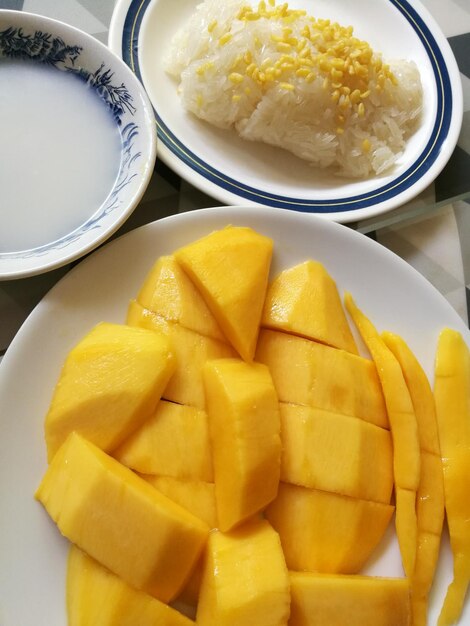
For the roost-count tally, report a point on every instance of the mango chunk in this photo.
(191, 351)
(120, 520)
(313, 374)
(404, 429)
(198, 497)
(337, 453)
(174, 441)
(245, 579)
(96, 597)
(110, 383)
(168, 292)
(304, 300)
(326, 532)
(230, 268)
(244, 423)
(334, 600)
(452, 396)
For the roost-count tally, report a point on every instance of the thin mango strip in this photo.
(452, 397)
(430, 496)
(404, 429)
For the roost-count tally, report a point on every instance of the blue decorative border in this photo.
(49, 50)
(406, 180)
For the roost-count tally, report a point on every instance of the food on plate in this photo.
(326, 532)
(290, 458)
(120, 520)
(244, 424)
(344, 382)
(305, 84)
(191, 350)
(197, 496)
(174, 441)
(452, 396)
(97, 597)
(328, 600)
(169, 292)
(404, 429)
(430, 495)
(230, 268)
(110, 383)
(304, 300)
(245, 579)
(352, 457)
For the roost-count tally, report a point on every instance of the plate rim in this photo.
(191, 167)
(40, 259)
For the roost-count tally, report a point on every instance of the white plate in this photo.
(78, 143)
(32, 553)
(234, 171)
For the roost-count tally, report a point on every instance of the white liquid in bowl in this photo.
(60, 151)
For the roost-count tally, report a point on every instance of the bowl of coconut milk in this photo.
(77, 148)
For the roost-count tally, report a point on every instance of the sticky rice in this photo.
(307, 85)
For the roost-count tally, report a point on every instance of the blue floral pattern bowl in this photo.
(45, 43)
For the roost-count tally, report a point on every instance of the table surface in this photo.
(432, 232)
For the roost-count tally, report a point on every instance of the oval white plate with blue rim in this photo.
(78, 143)
(234, 171)
(33, 554)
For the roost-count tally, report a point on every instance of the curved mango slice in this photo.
(452, 395)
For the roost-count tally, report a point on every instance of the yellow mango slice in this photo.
(230, 268)
(198, 497)
(168, 292)
(174, 441)
(244, 424)
(326, 532)
(313, 374)
(191, 351)
(120, 520)
(404, 429)
(420, 392)
(337, 453)
(245, 579)
(329, 600)
(110, 383)
(430, 496)
(304, 300)
(96, 597)
(452, 396)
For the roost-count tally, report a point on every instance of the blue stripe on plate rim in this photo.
(397, 186)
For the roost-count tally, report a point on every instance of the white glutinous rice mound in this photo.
(307, 85)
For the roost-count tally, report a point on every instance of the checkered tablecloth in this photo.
(438, 245)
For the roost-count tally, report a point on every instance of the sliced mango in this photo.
(452, 396)
(304, 300)
(168, 292)
(430, 496)
(120, 520)
(329, 600)
(191, 351)
(326, 532)
(310, 373)
(244, 424)
(174, 441)
(337, 453)
(230, 268)
(96, 597)
(245, 579)
(404, 429)
(198, 497)
(110, 383)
